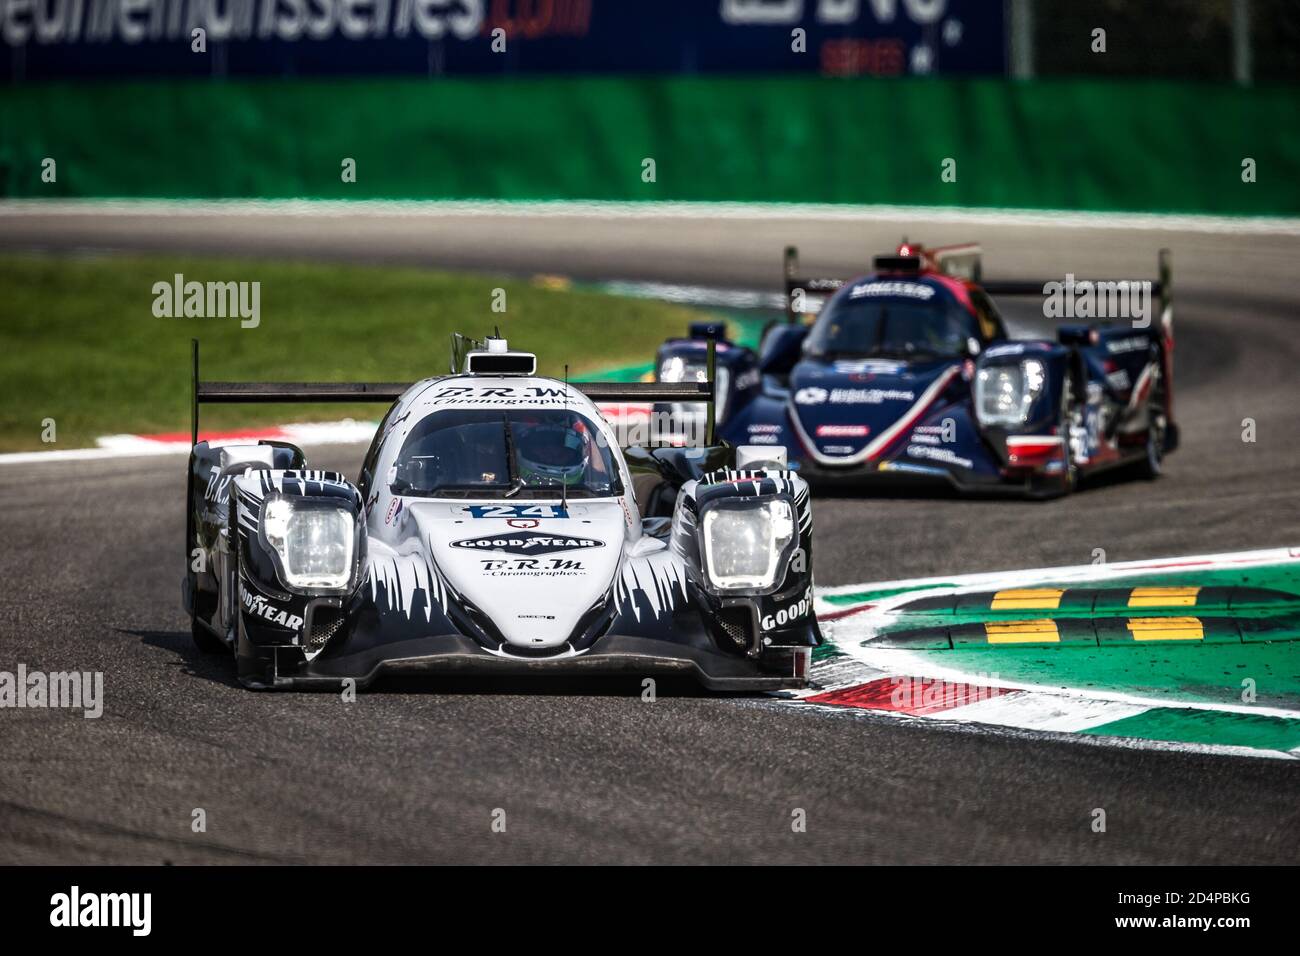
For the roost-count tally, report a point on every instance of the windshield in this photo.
(482, 453)
(892, 327)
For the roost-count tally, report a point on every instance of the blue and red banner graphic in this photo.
(70, 39)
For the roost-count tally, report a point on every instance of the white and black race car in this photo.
(497, 527)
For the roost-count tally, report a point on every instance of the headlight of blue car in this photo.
(677, 369)
(314, 541)
(1004, 394)
(746, 543)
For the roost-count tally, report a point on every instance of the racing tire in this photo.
(205, 640)
(1152, 464)
(1070, 476)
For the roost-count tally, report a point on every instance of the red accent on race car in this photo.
(905, 424)
(957, 287)
(1032, 450)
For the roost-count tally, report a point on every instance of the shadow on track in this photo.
(210, 667)
(220, 669)
(1120, 475)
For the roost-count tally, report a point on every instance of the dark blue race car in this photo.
(908, 374)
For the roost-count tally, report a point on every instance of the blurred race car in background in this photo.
(497, 527)
(908, 374)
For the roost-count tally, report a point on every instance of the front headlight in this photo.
(677, 369)
(314, 541)
(1004, 394)
(745, 542)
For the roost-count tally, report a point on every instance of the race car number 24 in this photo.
(518, 511)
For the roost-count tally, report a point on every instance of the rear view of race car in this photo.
(908, 374)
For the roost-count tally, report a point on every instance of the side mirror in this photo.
(409, 474)
(782, 349)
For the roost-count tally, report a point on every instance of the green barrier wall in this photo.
(1056, 144)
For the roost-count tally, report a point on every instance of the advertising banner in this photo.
(62, 39)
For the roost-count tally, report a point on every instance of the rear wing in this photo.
(1162, 288)
(263, 393)
(805, 295)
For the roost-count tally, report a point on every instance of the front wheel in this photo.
(1153, 463)
(1069, 424)
(205, 640)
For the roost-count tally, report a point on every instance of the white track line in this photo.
(1065, 574)
(346, 432)
(598, 209)
(1043, 712)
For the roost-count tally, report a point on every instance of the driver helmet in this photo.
(553, 454)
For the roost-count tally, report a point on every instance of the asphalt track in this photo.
(414, 772)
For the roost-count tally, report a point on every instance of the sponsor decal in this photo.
(789, 614)
(938, 454)
(842, 431)
(523, 522)
(870, 396)
(260, 606)
(909, 468)
(865, 369)
(915, 290)
(533, 568)
(1134, 343)
(536, 617)
(394, 510)
(812, 395)
(764, 429)
(527, 543)
(838, 449)
(518, 511)
(503, 395)
(1011, 348)
(218, 488)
